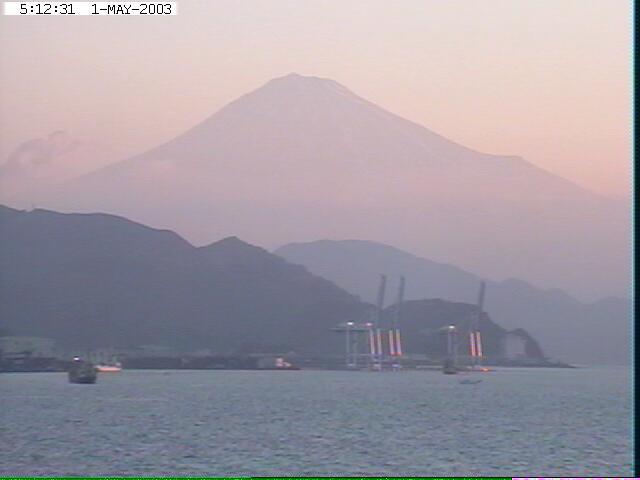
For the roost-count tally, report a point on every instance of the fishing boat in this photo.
(82, 371)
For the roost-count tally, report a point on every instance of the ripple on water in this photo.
(553, 422)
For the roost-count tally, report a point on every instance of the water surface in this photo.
(516, 422)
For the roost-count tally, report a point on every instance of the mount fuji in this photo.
(303, 158)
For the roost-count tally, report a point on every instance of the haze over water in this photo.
(528, 422)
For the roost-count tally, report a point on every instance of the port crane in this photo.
(475, 340)
(379, 337)
(395, 344)
(375, 336)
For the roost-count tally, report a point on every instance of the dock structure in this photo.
(375, 335)
(355, 335)
(376, 346)
(377, 353)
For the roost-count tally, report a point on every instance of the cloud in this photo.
(38, 152)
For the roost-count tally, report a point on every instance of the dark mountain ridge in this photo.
(88, 279)
(96, 280)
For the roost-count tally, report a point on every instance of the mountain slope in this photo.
(572, 331)
(95, 280)
(102, 280)
(303, 157)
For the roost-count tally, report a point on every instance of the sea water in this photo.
(516, 422)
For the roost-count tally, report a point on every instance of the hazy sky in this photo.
(548, 79)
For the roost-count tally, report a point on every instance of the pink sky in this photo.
(547, 80)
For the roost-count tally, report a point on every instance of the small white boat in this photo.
(112, 368)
